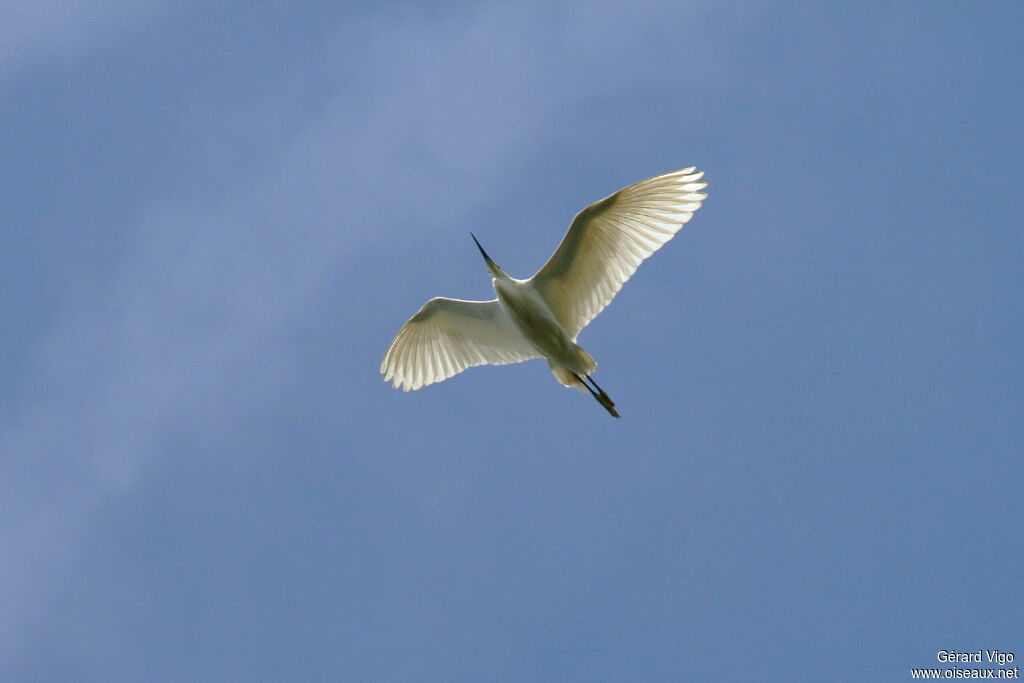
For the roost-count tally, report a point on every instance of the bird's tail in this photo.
(567, 377)
(571, 379)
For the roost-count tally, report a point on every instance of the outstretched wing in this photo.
(449, 335)
(608, 240)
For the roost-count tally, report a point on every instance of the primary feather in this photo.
(609, 239)
(449, 335)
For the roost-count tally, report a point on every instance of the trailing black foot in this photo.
(600, 396)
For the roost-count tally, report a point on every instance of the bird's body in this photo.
(535, 321)
(542, 316)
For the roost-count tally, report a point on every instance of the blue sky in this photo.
(215, 220)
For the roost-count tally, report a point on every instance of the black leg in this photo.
(601, 397)
(600, 390)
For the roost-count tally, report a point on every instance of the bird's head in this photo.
(493, 268)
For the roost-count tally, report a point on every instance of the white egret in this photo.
(541, 317)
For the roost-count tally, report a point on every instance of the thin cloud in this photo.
(37, 33)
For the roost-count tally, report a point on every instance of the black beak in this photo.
(486, 257)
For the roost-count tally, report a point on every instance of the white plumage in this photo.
(542, 316)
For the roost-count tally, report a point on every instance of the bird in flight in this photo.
(541, 317)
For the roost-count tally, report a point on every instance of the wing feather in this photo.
(609, 239)
(447, 336)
